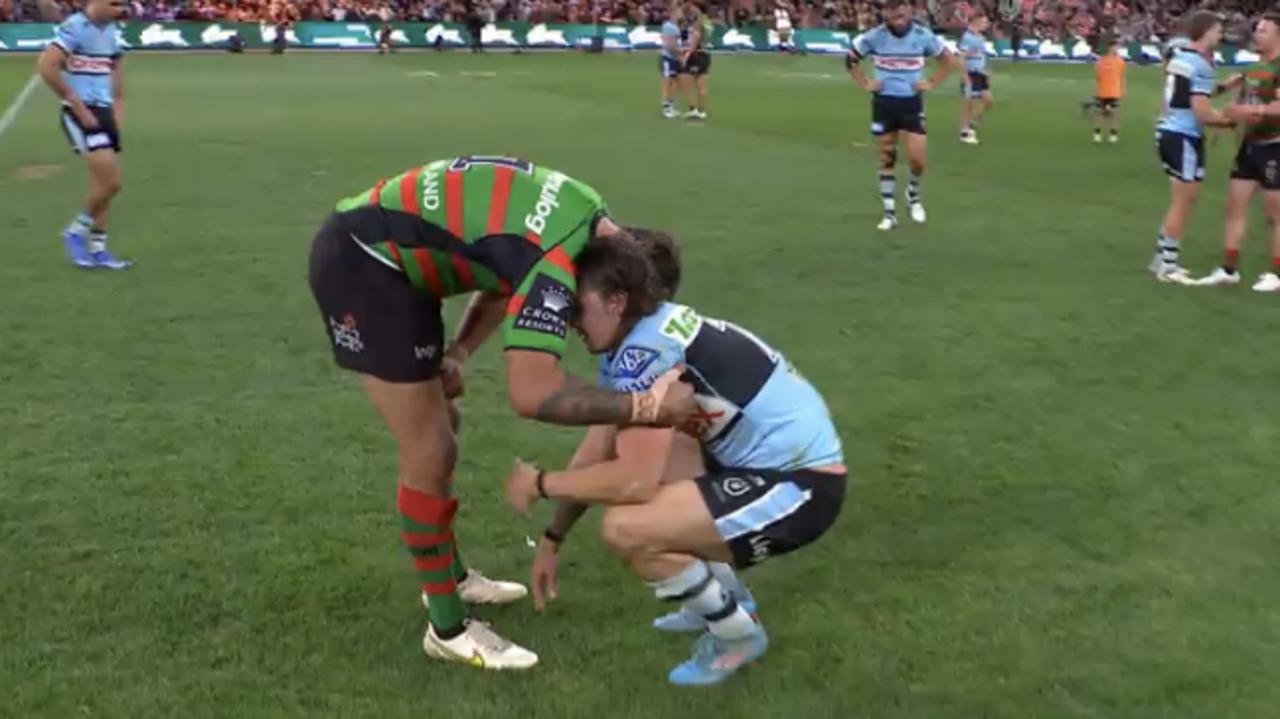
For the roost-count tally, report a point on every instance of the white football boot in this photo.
(479, 589)
(917, 213)
(1268, 282)
(888, 222)
(478, 646)
(1218, 278)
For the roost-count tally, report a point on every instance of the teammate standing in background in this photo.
(782, 25)
(1257, 162)
(669, 63)
(1108, 91)
(82, 67)
(1189, 82)
(898, 48)
(696, 63)
(976, 85)
(507, 232)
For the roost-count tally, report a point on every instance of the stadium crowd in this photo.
(1134, 19)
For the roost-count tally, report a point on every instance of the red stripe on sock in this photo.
(1231, 258)
(424, 508)
(434, 589)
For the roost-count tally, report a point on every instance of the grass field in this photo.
(1065, 492)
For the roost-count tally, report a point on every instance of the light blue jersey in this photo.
(755, 411)
(1188, 74)
(671, 35)
(974, 48)
(899, 61)
(1175, 44)
(92, 53)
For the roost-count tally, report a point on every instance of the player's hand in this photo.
(521, 486)
(676, 404)
(923, 85)
(86, 119)
(542, 577)
(451, 371)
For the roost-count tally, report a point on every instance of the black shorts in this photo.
(978, 84)
(1258, 162)
(378, 323)
(106, 136)
(764, 513)
(1181, 155)
(897, 114)
(699, 64)
(670, 66)
(1107, 104)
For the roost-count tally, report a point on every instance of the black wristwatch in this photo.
(551, 536)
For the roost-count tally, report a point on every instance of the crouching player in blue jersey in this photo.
(82, 66)
(898, 48)
(1189, 82)
(975, 85)
(774, 478)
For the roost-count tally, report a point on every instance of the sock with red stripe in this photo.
(1230, 259)
(427, 532)
(459, 569)
(1275, 264)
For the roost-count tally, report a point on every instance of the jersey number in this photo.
(465, 163)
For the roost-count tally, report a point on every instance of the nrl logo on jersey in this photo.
(632, 361)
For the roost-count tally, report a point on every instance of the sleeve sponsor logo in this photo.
(545, 308)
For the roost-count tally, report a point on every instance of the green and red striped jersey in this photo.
(489, 223)
(1260, 84)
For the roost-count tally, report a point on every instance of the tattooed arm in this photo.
(539, 389)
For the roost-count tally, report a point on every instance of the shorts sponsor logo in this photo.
(345, 334)
(877, 127)
(633, 361)
(759, 548)
(426, 353)
(98, 140)
(546, 308)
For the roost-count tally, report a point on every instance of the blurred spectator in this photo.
(1142, 20)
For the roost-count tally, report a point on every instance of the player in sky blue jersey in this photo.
(770, 478)
(1189, 83)
(898, 49)
(975, 83)
(82, 66)
(669, 64)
